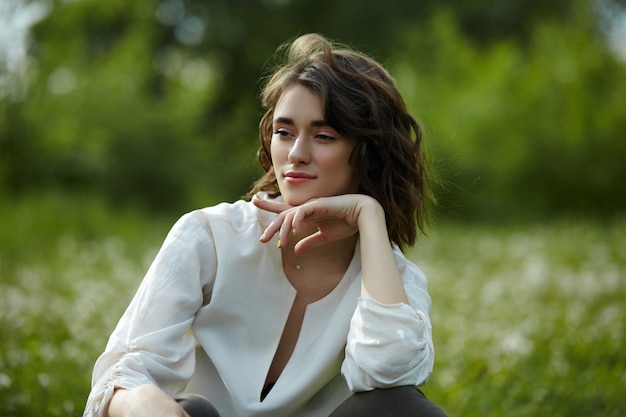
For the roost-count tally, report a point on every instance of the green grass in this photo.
(67, 270)
(527, 320)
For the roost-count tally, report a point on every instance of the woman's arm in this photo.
(151, 344)
(390, 339)
(144, 401)
(380, 276)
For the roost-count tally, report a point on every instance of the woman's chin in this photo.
(294, 201)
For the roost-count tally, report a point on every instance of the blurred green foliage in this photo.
(155, 104)
(522, 131)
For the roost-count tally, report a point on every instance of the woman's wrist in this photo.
(370, 211)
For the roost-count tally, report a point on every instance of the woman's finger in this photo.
(271, 230)
(273, 206)
(286, 226)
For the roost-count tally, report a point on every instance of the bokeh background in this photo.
(118, 116)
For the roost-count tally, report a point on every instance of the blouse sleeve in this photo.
(153, 343)
(391, 345)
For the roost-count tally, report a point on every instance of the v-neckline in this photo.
(268, 385)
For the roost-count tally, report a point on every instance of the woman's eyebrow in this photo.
(284, 121)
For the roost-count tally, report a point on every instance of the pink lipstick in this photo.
(293, 177)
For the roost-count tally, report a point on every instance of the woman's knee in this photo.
(404, 401)
(197, 406)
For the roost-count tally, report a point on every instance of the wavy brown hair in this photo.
(360, 101)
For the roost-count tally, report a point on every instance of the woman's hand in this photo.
(323, 220)
(144, 401)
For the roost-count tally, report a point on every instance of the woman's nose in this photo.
(299, 152)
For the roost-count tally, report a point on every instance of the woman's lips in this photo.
(298, 177)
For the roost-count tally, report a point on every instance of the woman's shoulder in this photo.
(238, 215)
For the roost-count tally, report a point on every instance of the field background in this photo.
(118, 116)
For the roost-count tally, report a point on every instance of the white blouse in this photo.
(210, 312)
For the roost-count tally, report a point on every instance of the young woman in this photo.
(297, 301)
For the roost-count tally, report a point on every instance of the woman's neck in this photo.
(316, 273)
(331, 258)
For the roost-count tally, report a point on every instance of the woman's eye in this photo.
(281, 132)
(324, 137)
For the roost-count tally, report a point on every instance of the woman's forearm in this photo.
(116, 405)
(144, 401)
(381, 278)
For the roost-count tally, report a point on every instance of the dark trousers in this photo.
(404, 401)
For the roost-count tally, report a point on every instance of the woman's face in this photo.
(310, 158)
